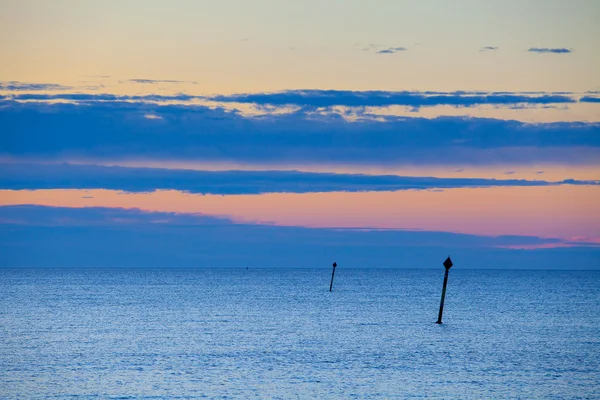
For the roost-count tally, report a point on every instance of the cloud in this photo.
(100, 216)
(489, 48)
(132, 238)
(65, 176)
(549, 50)
(86, 97)
(589, 99)
(153, 81)
(329, 98)
(23, 86)
(392, 50)
(116, 130)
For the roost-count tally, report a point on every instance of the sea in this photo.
(168, 333)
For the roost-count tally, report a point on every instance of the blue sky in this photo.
(436, 124)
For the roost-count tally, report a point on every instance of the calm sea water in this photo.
(265, 333)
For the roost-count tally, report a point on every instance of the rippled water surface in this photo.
(266, 333)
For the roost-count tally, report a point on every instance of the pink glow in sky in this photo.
(559, 211)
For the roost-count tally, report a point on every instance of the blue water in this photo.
(266, 333)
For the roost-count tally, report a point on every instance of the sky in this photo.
(282, 133)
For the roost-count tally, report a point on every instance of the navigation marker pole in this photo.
(447, 264)
(332, 273)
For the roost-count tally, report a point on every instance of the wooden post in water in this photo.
(332, 273)
(447, 264)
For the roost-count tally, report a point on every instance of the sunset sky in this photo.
(295, 133)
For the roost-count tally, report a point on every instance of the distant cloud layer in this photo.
(549, 50)
(132, 238)
(115, 130)
(63, 176)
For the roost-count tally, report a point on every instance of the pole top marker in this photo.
(448, 263)
(334, 264)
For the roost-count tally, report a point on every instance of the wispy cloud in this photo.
(153, 81)
(557, 50)
(25, 86)
(104, 97)
(392, 50)
(370, 47)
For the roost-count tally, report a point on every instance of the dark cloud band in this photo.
(64, 176)
(329, 98)
(117, 130)
(104, 237)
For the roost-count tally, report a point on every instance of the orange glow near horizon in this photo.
(558, 211)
